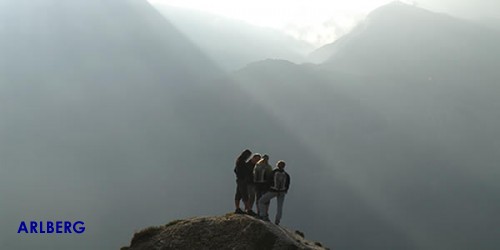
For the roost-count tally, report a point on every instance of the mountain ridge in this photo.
(402, 28)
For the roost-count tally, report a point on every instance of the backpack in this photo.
(280, 181)
(259, 173)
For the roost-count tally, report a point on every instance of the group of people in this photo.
(257, 183)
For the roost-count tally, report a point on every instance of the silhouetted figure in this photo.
(280, 183)
(242, 173)
(250, 184)
(261, 176)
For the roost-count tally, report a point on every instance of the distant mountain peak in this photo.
(405, 34)
(398, 5)
(399, 10)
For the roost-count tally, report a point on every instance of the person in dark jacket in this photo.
(261, 176)
(241, 171)
(279, 185)
(250, 182)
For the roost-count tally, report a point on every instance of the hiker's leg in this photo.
(258, 195)
(262, 203)
(237, 197)
(279, 213)
(262, 192)
(243, 193)
(244, 197)
(265, 188)
(251, 195)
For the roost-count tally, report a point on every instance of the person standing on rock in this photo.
(251, 185)
(242, 173)
(280, 183)
(261, 175)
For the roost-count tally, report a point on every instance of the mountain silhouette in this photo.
(404, 110)
(401, 38)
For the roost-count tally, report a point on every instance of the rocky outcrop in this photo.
(230, 231)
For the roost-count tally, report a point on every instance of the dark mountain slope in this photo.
(402, 39)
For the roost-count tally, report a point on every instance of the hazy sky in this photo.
(319, 21)
(315, 21)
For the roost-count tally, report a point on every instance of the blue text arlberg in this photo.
(51, 227)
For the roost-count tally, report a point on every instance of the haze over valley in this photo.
(123, 116)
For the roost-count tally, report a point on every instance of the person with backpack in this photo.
(250, 183)
(261, 174)
(279, 185)
(242, 173)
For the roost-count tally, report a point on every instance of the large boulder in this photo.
(230, 231)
